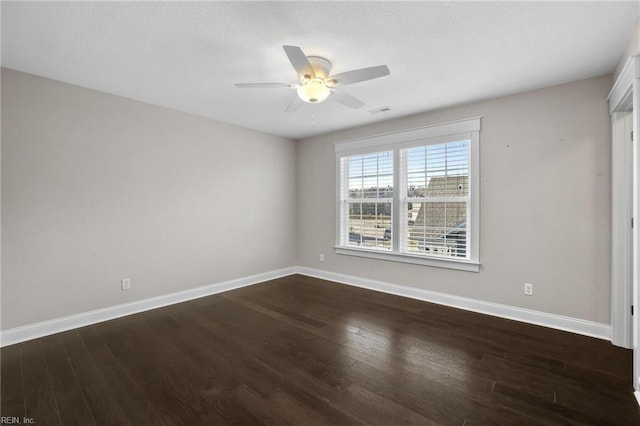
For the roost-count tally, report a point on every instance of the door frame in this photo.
(621, 231)
(625, 186)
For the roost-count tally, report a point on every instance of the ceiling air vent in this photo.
(381, 109)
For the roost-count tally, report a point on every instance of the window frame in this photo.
(465, 129)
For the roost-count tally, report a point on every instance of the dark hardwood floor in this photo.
(303, 351)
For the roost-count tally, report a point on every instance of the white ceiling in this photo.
(187, 56)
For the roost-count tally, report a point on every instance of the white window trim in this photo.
(438, 133)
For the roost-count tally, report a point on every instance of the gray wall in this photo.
(96, 188)
(545, 201)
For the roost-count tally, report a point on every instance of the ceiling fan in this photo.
(316, 84)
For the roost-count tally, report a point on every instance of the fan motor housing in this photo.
(320, 65)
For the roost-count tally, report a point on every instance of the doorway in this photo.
(624, 107)
(621, 228)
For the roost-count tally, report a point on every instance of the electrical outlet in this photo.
(322, 258)
(125, 284)
(528, 289)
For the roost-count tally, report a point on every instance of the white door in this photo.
(624, 107)
(621, 231)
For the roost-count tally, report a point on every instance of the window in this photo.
(411, 196)
(435, 199)
(368, 200)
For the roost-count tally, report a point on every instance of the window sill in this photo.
(461, 265)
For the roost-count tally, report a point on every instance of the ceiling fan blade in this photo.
(266, 85)
(357, 76)
(300, 62)
(346, 99)
(294, 105)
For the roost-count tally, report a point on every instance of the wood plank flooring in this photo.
(303, 351)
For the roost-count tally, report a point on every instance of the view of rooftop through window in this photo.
(436, 202)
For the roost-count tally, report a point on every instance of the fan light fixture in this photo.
(313, 90)
(316, 81)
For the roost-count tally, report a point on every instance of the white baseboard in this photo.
(45, 328)
(574, 325)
